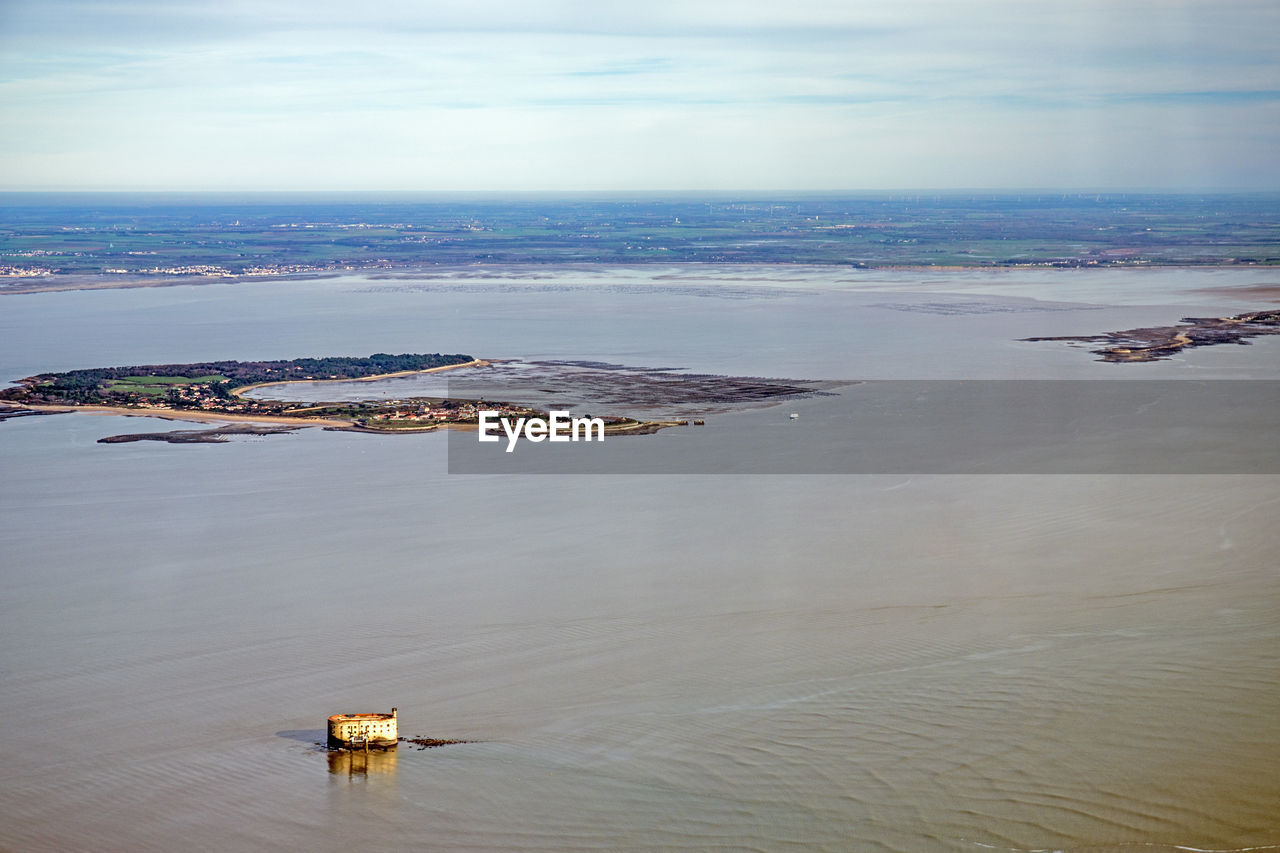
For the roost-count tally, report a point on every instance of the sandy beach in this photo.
(184, 415)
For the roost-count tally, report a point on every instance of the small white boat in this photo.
(795, 415)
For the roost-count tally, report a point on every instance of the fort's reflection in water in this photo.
(353, 763)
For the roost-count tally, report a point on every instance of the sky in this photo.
(664, 95)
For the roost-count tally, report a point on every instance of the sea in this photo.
(1022, 621)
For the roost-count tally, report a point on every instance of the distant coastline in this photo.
(57, 283)
(14, 285)
(129, 241)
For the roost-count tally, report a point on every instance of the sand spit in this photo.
(478, 362)
(1160, 342)
(183, 415)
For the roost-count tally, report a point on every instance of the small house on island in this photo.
(353, 731)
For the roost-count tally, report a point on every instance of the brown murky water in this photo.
(871, 662)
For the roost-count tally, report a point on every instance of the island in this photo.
(214, 391)
(1160, 342)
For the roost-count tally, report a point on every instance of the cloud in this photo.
(804, 83)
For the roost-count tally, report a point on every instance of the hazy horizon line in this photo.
(735, 194)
